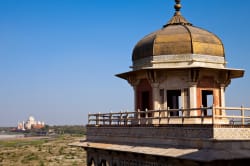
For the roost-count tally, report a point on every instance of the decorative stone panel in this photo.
(232, 133)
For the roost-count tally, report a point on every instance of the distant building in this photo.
(31, 123)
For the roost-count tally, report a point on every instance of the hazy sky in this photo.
(58, 58)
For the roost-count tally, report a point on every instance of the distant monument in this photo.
(179, 79)
(31, 123)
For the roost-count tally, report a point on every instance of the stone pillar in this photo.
(155, 95)
(222, 97)
(217, 100)
(185, 100)
(135, 99)
(155, 99)
(133, 81)
(193, 98)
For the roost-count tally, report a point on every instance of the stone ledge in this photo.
(204, 155)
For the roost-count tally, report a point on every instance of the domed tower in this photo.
(179, 66)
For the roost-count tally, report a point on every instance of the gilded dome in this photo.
(178, 37)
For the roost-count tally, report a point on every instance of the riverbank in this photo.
(38, 151)
(11, 136)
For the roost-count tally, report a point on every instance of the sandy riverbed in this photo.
(4, 137)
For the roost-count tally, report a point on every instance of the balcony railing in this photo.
(202, 115)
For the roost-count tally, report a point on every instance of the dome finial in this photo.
(177, 19)
(177, 6)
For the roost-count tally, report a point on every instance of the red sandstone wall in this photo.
(208, 83)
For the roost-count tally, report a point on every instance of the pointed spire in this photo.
(177, 19)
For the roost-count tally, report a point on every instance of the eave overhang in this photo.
(232, 73)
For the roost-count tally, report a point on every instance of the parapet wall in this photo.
(153, 136)
(194, 136)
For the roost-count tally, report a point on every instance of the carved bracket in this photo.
(132, 80)
(194, 75)
(155, 76)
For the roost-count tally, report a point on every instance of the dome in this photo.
(179, 37)
(31, 119)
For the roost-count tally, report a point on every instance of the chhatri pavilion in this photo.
(180, 66)
(179, 76)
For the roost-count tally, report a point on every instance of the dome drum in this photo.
(179, 61)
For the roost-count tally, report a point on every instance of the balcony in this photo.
(201, 128)
(233, 116)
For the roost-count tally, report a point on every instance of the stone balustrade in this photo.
(203, 115)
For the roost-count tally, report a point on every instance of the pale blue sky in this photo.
(58, 58)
